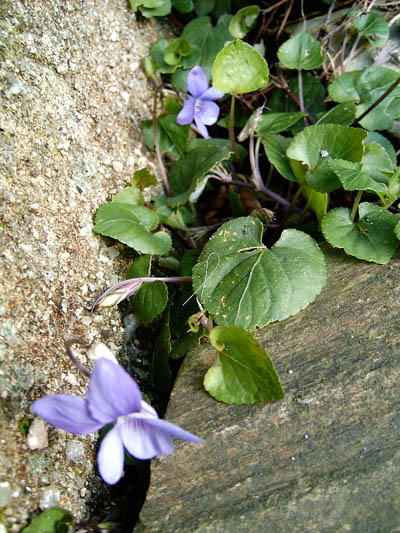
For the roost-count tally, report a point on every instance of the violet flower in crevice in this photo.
(113, 397)
(200, 107)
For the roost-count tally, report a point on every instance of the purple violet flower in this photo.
(200, 107)
(113, 396)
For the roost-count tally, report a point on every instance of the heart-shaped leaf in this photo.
(372, 173)
(246, 375)
(301, 52)
(372, 26)
(364, 87)
(132, 225)
(239, 68)
(240, 281)
(344, 114)
(317, 145)
(129, 195)
(371, 238)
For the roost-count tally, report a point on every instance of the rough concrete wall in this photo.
(72, 97)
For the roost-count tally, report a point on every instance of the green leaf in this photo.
(143, 178)
(155, 8)
(160, 370)
(344, 114)
(132, 225)
(200, 32)
(397, 230)
(217, 143)
(243, 21)
(246, 375)
(371, 238)
(189, 174)
(318, 201)
(374, 136)
(52, 521)
(188, 261)
(157, 51)
(177, 134)
(129, 195)
(239, 68)
(183, 6)
(372, 26)
(204, 7)
(240, 281)
(275, 147)
(316, 146)
(365, 87)
(185, 342)
(277, 122)
(301, 52)
(140, 268)
(371, 174)
(150, 301)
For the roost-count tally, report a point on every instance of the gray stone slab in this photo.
(327, 457)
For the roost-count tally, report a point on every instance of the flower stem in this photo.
(157, 145)
(232, 129)
(355, 205)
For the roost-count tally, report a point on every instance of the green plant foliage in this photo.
(160, 372)
(133, 225)
(371, 238)
(184, 6)
(371, 174)
(129, 195)
(143, 178)
(55, 520)
(316, 146)
(246, 375)
(239, 68)
(242, 282)
(151, 8)
(244, 21)
(364, 87)
(208, 38)
(344, 114)
(277, 122)
(275, 147)
(189, 176)
(372, 26)
(174, 54)
(301, 52)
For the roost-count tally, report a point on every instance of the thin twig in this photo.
(380, 99)
(157, 145)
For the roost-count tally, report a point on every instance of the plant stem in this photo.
(355, 205)
(157, 145)
(301, 96)
(257, 179)
(232, 128)
(292, 203)
(380, 99)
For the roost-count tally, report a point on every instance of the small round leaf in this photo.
(239, 68)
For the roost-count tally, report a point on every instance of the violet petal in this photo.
(206, 111)
(201, 127)
(166, 427)
(110, 458)
(196, 82)
(212, 94)
(67, 412)
(186, 115)
(112, 392)
(142, 441)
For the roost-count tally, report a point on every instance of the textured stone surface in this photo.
(327, 457)
(72, 95)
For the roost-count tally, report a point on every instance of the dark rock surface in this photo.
(327, 457)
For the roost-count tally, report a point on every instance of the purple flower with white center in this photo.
(113, 397)
(200, 107)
